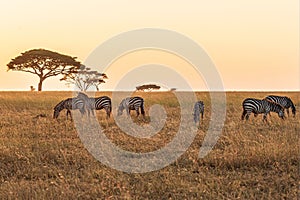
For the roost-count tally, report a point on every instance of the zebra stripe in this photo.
(69, 104)
(131, 103)
(256, 106)
(198, 109)
(99, 103)
(284, 101)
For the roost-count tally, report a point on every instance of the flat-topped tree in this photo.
(148, 87)
(84, 78)
(44, 64)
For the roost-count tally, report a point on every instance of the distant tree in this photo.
(173, 89)
(148, 87)
(44, 64)
(84, 78)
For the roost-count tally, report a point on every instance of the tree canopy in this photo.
(148, 87)
(44, 64)
(85, 78)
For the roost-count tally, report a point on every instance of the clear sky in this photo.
(254, 44)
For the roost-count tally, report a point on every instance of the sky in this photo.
(253, 44)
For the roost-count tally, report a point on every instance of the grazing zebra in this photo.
(198, 109)
(69, 104)
(285, 102)
(131, 103)
(99, 103)
(261, 106)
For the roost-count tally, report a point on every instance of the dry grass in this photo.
(45, 159)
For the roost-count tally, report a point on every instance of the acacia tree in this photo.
(84, 78)
(149, 87)
(44, 64)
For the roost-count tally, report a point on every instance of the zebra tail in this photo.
(293, 109)
(142, 109)
(110, 107)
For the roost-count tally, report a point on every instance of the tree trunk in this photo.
(40, 84)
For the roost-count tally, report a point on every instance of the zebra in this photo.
(284, 101)
(258, 106)
(69, 104)
(98, 103)
(132, 103)
(198, 109)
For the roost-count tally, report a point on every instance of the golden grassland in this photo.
(43, 158)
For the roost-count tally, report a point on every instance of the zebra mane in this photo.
(82, 95)
(59, 106)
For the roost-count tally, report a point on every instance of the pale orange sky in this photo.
(254, 44)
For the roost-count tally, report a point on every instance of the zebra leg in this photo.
(143, 111)
(92, 111)
(202, 114)
(137, 112)
(107, 113)
(265, 117)
(68, 113)
(128, 111)
(88, 113)
(243, 115)
(196, 119)
(82, 111)
(288, 112)
(248, 115)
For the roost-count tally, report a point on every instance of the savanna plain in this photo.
(44, 158)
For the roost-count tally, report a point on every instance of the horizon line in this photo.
(246, 90)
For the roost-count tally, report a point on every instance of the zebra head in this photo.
(123, 105)
(293, 110)
(56, 112)
(281, 112)
(292, 105)
(59, 107)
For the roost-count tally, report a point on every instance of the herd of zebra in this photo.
(272, 103)
(83, 103)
